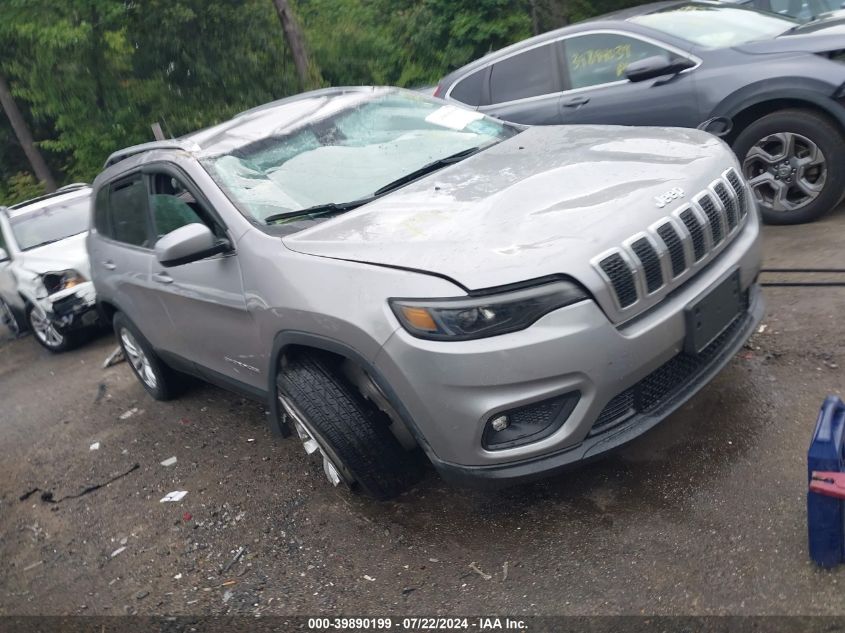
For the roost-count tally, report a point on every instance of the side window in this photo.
(469, 90)
(602, 58)
(527, 74)
(128, 212)
(101, 212)
(174, 206)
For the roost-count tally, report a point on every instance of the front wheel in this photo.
(793, 161)
(47, 333)
(351, 438)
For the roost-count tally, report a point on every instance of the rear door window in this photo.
(127, 217)
(531, 73)
(601, 58)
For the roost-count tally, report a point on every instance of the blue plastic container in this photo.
(825, 515)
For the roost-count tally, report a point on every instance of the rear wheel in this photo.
(349, 436)
(160, 381)
(792, 160)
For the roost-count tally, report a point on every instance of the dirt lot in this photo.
(704, 515)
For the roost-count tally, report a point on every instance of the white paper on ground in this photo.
(176, 495)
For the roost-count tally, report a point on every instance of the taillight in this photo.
(439, 90)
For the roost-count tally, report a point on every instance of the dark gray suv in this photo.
(682, 64)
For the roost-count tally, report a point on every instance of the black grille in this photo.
(695, 230)
(667, 380)
(621, 277)
(651, 263)
(729, 203)
(739, 189)
(616, 411)
(676, 248)
(709, 207)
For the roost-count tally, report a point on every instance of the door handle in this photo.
(577, 102)
(162, 278)
(109, 265)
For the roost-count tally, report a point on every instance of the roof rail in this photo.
(58, 192)
(123, 154)
(72, 187)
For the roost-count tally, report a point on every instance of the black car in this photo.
(772, 87)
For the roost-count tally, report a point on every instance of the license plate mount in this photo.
(712, 314)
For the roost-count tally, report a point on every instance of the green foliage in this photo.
(92, 75)
(19, 187)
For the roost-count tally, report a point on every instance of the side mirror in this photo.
(189, 243)
(657, 66)
(4, 256)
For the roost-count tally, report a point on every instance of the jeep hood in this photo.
(68, 253)
(543, 202)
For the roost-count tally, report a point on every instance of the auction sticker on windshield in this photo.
(453, 118)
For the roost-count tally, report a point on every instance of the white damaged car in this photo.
(44, 272)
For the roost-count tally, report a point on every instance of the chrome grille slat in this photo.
(621, 277)
(696, 231)
(649, 264)
(650, 260)
(739, 190)
(675, 246)
(714, 217)
(728, 204)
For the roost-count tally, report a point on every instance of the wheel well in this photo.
(107, 311)
(746, 117)
(359, 377)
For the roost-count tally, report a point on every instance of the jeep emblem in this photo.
(666, 198)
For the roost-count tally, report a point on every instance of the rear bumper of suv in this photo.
(625, 378)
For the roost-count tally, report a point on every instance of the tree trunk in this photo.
(535, 18)
(42, 172)
(309, 77)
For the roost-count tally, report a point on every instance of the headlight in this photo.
(465, 318)
(61, 280)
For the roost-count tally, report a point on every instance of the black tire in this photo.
(168, 382)
(16, 324)
(819, 130)
(352, 432)
(55, 340)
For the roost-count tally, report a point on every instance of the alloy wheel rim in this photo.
(333, 472)
(138, 359)
(44, 329)
(8, 319)
(786, 171)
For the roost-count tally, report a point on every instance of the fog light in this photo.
(528, 423)
(500, 423)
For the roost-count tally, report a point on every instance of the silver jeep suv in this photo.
(398, 277)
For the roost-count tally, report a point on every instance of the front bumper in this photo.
(451, 389)
(73, 309)
(601, 441)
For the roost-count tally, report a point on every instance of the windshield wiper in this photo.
(340, 207)
(427, 169)
(317, 209)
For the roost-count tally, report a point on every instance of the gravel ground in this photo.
(704, 515)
